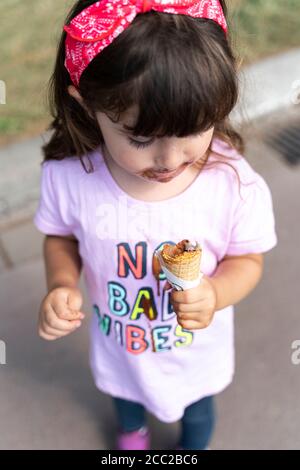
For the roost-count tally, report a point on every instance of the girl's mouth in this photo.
(164, 176)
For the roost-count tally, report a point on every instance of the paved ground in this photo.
(47, 396)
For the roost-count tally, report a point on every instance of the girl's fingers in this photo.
(195, 307)
(189, 296)
(47, 337)
(63, 311)
(193, 325)
(199, 317)
(69, 315)
(48, 330)
(56, 323)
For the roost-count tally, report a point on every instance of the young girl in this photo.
(142, 154)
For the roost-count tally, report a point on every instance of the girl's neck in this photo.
(149, 191)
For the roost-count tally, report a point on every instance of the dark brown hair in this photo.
(179, 71)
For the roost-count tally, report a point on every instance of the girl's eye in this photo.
(139, 145)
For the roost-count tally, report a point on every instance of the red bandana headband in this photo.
(98, 25)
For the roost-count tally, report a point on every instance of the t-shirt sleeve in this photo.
(51, 217)
(253, 227)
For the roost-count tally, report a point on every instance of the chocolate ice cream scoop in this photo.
(180, 248)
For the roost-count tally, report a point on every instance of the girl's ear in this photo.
(77, 96)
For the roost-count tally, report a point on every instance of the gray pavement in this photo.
(48, 399)
(269, 85)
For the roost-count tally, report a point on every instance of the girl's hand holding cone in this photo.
(195, 304)
(194, 307)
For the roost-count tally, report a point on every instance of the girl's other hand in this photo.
(60, 313)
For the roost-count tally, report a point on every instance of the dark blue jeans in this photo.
(197, 423)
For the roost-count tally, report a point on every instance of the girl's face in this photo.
(152, 159)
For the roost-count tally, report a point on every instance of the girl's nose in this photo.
(171, 155)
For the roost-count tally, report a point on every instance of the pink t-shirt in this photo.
(138, 351)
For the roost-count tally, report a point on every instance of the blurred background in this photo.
(48, 399)
(30, 31)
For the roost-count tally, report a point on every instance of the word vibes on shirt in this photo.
(131, 327)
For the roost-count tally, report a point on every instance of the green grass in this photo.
(28, 36)
(264, 27)
(30, 30)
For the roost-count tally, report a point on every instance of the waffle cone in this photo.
(184, 266)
